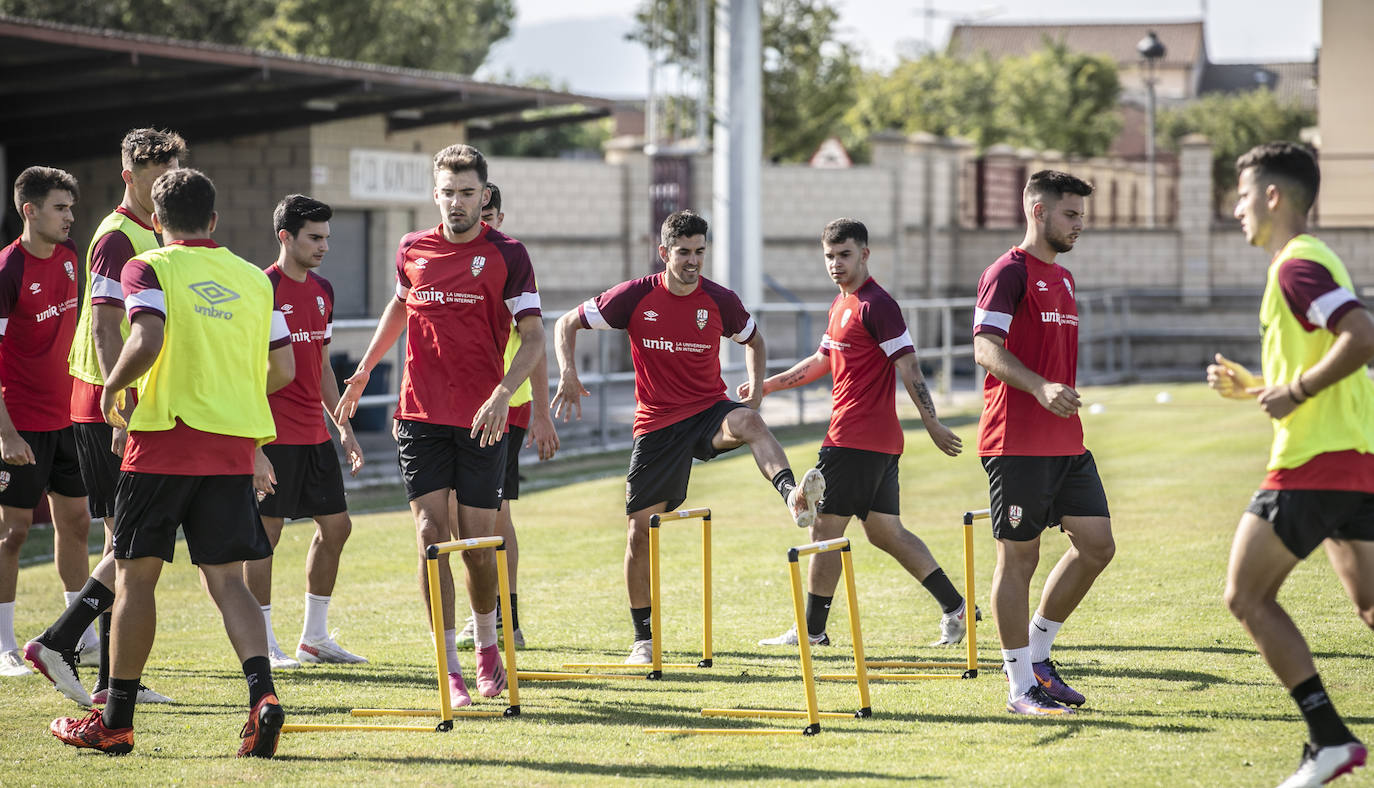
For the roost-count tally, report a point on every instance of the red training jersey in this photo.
(460, 300)
(674, 343)
(1030, 304)
(38, 311)
(864, 336)
(297, 407)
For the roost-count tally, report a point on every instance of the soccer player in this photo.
(189, 461)
(307, 479)
(865, 346)
(145, 154)
(459, 285)
(1316, 340)
(38, 309)
(1030, 439)
(675, 321)
(529, 412)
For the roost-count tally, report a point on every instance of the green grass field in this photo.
(1177, 694)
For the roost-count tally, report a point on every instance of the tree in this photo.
(1056, 99)
(932, 93)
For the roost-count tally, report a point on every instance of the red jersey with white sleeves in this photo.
(460, 300)
(1030, 304)
(183, 450)
(297, 408)
(864, 336)
(38, 311)
(674, 343)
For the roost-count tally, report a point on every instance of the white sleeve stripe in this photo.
(105, 287)
(896, 343)
(745, 334)
(402, 291)
(149, 299)
(522, 303)
(279, 329)
(593, 315)
(982, 317)
(329, 330)
(4, 324)
(1323, 307)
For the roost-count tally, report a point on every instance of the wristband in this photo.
(1305, 393)
(1293, 396)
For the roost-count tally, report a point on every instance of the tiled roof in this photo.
(1293, 82)
(1183, 41)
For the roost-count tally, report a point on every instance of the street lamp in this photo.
(1151, 50)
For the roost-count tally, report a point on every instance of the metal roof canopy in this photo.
(68, 91)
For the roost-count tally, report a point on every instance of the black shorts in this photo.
(99, 465)
(510, 491)
(858, 482)
(309, 481)
(1304, 519)
(443, 457)
(218, 514)
(661, 461)
(55, 468)
(1030, 494)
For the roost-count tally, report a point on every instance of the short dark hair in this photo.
(184, 199)
(841, 230)
(1056, 184)
(682, 224)
(1287, 161)
(36, 183)
(461, 158)
(494, 201)
(295, 210)
(142, 147)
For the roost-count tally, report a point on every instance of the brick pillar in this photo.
(1195, 219)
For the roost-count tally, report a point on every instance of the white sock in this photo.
(1017, 665)
(88, 638)
(1042, 632)
(271, 636)
(451, 645)
(7, 642)
(316, 618)
(484, 628)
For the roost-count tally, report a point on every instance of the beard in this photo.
(462, 226)
(1059, 243)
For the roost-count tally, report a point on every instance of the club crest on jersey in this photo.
(701, 319)
(1069, 286)
(478, 263)
(71, 271)
(1014, 515)
(844, 318)
(319, 302)
(4, 480)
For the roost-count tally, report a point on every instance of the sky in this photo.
(582, 46)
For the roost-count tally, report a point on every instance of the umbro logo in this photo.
(35, 288)
(421, 262)
(650, 316)
(287, 309)
(1042, 287)
(213, 292)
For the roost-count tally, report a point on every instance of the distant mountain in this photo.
(589, 55)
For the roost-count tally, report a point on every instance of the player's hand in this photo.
(352, 452)
(1231, 380)
(396, 430)
(945, 439)
(489, 425)
(264, 476)
(14, 450)
(542, 434)
(118, 440)
(744, 390)
(353, 391)
(1059, 399)
(1275, 401)
(114, 405)
(568, 399)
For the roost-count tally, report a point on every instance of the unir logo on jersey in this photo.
(478, 263)
(319, 302)
(1014, 515)
(71, 272)
(701, 319)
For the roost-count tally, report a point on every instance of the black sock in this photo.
(514, 611)
(103, 675)
(67, 630)
(1324, 726)
(643, 622)
(784, 482)
(119, 707)
(258, 672)
(939, 587)
(817, 612)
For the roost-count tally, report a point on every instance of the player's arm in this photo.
(281, 357)
(135, 359)
(568, 398)
(808, 370)
(329, 397)
(990, 351)
(542, 432)
(756, 364)
(13, 448)
(389, 329)
(490, 422)
(909, 369)
(1352, 350)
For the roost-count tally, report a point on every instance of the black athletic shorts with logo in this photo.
(661, 461)
(443, 457)
(1030, 494)
(1304, 519)
(858, 481)
(99, 465)
(510, 491)
(309, 481)
(55, 468)
(218, 514)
